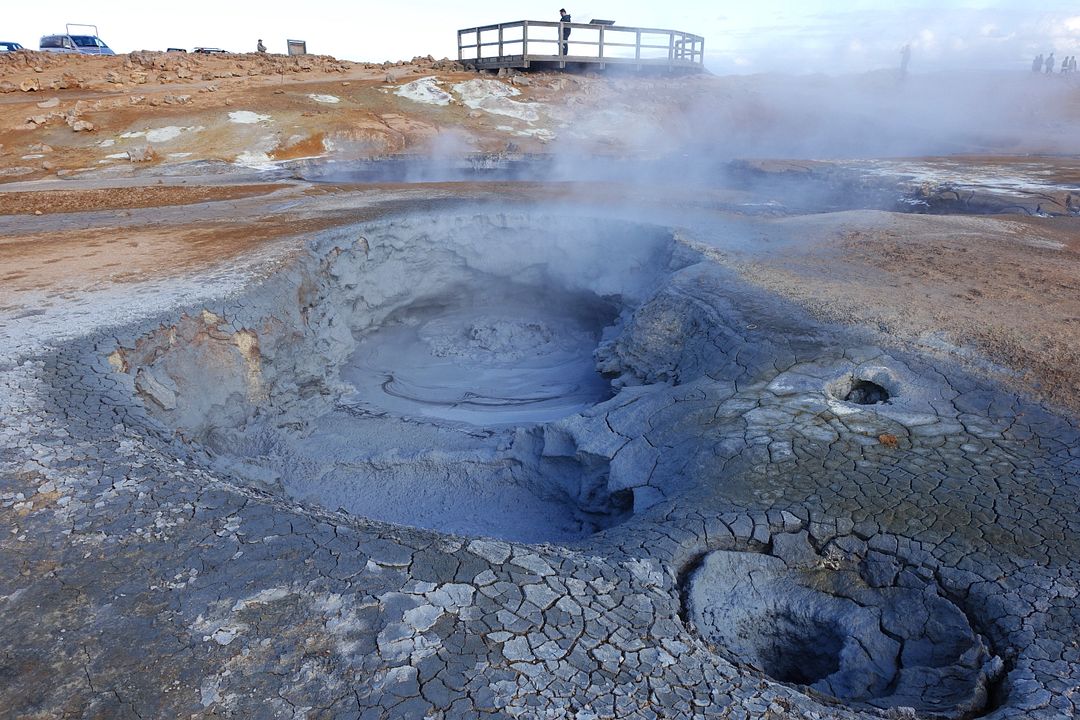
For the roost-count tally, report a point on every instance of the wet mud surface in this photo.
(727, 506)
(505, 355)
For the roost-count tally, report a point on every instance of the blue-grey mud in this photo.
(458, 454)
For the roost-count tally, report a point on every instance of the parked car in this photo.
(76, 42)
(209, 50)
(10, 46)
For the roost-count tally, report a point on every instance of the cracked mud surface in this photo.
(1006, 287)
(145, 576)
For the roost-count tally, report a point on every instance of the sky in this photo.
(744, 36)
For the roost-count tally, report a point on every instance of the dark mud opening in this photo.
(862, 387)
(825, 626)
(864, 392)
(407, 371)
(622, 501)
(800, 651)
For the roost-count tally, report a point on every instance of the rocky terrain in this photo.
(64, 115)
(340, 390)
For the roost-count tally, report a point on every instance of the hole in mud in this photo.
(872, 639)
(407, 370)
(622, 501)
(864, 392)
(797, 652)
(860, 390)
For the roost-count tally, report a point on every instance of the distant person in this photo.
(905, 58)
(564, 17)
(1072, 65)
(260, 47)
(1050, 62)
(1037, 63)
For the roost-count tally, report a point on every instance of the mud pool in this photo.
(499, 355)
(528, 462)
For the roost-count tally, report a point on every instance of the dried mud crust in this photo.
(1007, 287)
(70, 261)
(726, 433)
(257, 606)
(65, 201)
(110, 241)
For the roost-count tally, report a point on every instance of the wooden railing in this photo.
(525, 41)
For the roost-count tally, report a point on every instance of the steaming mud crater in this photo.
(414, 382)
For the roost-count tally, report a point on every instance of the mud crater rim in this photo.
(856, 631)
(862, 391)
(405, 371)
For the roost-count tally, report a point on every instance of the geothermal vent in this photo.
(404, 371)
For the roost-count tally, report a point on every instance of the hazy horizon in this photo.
(765, 36)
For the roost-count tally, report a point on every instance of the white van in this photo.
(81, 43)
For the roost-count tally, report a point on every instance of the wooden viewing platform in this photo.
(525, 43)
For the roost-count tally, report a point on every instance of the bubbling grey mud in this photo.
(501, 354)
(402, 370)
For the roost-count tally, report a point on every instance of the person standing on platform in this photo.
(564, 17)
